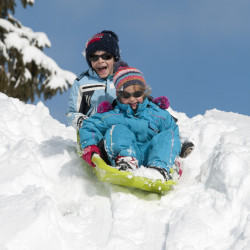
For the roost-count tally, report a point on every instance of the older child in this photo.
(136, 132)
(96, 84)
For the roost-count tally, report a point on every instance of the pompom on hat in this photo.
(126, 76)
(107, 41)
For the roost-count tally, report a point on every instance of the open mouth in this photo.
(102, 69)
(133, 105)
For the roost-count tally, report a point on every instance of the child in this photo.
(136, 132)
(96, 84)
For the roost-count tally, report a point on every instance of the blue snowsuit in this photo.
(150, 135)
(87, 92)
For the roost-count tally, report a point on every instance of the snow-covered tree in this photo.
(25, 71)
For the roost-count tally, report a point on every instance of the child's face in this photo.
(132, 100)
(103, 67)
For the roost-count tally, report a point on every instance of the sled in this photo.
(112, 175)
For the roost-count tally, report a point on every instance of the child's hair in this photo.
(146, 89)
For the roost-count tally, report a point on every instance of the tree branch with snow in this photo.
(25, 71)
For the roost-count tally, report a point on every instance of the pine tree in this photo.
(25, 71)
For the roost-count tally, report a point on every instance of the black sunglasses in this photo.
(105, 56)
(126, 95)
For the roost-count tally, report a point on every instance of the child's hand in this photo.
(162, 102)
(104, 106)
(88, 152)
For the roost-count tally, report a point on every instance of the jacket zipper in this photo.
(106, 86)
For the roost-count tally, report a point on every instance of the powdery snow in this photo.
(49, 200)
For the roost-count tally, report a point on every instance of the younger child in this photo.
(136, 132)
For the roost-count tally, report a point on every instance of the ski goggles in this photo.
(105, 56)
(126, 95)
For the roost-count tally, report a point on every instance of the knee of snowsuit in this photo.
(160, 151)
(164, 148)
(120, 141)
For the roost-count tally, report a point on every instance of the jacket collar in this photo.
(129, 111)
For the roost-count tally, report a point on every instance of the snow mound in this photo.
(49, 200)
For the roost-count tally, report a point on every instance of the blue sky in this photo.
(195, 52)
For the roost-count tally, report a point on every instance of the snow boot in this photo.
(186, 149)
(126, 163)
(162, 171)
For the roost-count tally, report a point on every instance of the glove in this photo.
(88, 152)
(162, 102)
(104, 106)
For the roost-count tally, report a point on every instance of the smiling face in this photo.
(102, 67)
(132, 101)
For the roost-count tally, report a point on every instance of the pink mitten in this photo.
(104, 106)
(88, 152)
(162, 102)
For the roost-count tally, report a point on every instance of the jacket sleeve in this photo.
(78, 106)
(72, 114)
(169, 123)
(93, 130)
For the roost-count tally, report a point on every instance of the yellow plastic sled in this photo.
(112, 175)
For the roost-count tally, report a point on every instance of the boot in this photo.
(177, 168)
(126, 163)
(162, 171)
(186, 149)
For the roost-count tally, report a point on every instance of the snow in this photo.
(49, 200)
(148, 173)
(38, 38)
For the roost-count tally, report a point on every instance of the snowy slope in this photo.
(49, 200)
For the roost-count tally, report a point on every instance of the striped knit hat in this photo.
(126, 76)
